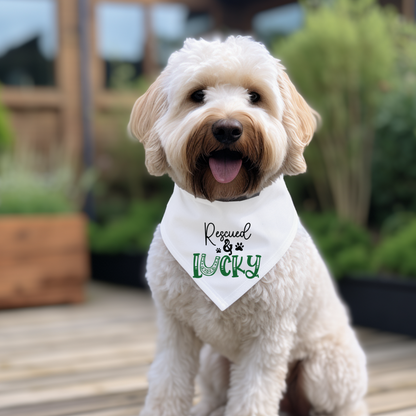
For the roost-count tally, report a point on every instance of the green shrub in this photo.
(6, 134)
(123, 177)
(396, 222)
(25, 188)
(397, 253)
(129, 233)
(346, 247)
(341, 61)
(129, 202)
(394, 167)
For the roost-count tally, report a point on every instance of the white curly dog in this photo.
(224, 121)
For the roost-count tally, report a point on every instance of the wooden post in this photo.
(409, 9)
(68, 79)
(84, 17)
(150, 66)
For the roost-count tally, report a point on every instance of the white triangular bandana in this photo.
(227, 247)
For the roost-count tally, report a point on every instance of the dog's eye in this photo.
(198, 96)
(254, 97)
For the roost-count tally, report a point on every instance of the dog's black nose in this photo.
(227, 131)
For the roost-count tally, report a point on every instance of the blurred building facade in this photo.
(129, 42)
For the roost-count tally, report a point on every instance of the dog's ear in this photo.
(146, 112)
(300, 122)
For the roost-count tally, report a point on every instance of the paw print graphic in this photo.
(239, 246)
(218, 250)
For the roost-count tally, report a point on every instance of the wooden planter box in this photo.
(43, 260)
(123, 269)
(384, 304)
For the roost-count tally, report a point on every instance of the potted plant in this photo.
(376, 280)
(43, 245)
(119, 246)
(386, 298)
(383, 302)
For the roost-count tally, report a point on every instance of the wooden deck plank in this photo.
(49, 357)
(125, 411)
(68, 368)
(73, 378)
(403, 412)
(102, 302)
(406, 349)
(76, 406)
(129, 334)
(391, 400)
(72, 340)
(401, 379)
(79, 318)
(92, 359)
(398, 363)
(82, 389)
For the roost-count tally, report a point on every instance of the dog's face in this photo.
(223, 120)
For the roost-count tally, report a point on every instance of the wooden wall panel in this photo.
(409, 9)
(39, 129)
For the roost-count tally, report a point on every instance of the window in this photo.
(135, 40)
(28, 42)
(279, 21)
(121, 41)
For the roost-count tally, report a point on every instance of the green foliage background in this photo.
(341, 61)
(394, 167)
(345, 246)
(131, 232)
(26, 187)
(396, 253)
(6, 133)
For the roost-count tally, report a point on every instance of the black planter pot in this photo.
(124, 269)
(387, 305)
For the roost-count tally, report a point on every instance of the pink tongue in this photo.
(224, 169)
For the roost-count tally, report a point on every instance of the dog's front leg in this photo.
(258, 379)
(172, 374)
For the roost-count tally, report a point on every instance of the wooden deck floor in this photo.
(92, 359)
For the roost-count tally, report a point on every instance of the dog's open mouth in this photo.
(225, 165)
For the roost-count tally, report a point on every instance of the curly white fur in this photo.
(293, 314)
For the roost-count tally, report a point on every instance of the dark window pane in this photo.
(279, 21)
(131, 46)
(28, 42)
(120, 41)
(172, 24)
